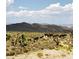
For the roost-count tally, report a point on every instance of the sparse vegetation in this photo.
(40, 55)
(23, 42)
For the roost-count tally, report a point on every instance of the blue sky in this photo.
(40, 11)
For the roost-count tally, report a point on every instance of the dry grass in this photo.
(29, 44)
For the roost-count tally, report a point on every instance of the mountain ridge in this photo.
(35, 27)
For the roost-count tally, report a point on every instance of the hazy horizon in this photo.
(68, 25)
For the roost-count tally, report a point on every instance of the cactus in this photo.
(8, 36)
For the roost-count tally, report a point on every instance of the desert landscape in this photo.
(39, 45)
(39, 29)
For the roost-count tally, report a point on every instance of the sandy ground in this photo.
(45, 54)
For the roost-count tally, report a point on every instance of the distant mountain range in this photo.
(35, 27)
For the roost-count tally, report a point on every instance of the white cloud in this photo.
(22, 8)
(53, 11)
(8, 2)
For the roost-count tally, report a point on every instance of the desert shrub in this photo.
(40, 54)
(25, 42)
(63, 55)
(46, 54)
(8, 36)
(22, 40)
(23, 37)
(10, 53)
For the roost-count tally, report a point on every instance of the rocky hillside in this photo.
(35, 27)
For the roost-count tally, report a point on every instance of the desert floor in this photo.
(43, 54)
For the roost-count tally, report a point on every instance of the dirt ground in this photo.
(44, 54)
